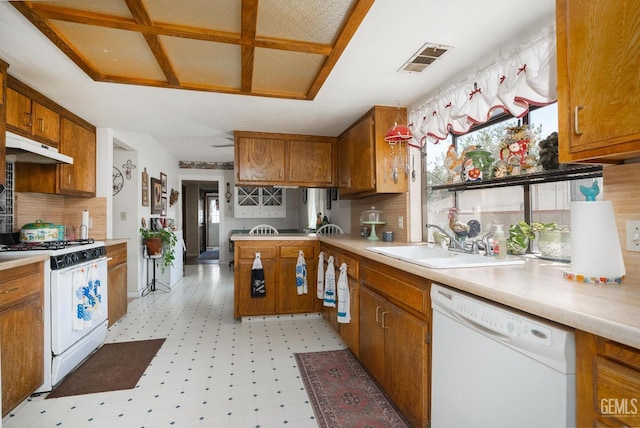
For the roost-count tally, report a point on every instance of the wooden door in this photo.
(406, 354)
(79, 143)
(260, 160)
(22, 350)
(18, 112)
(288, 299)
(117, 280)
(350, 331)
(247, 305)
(361, 156)
(310, 162)
(372, 336)
(598, 101)
(46, 124)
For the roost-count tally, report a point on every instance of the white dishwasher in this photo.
(494, 366)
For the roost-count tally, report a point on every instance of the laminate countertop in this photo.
(10, 262)
(536, 287)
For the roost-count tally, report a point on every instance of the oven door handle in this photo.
(81, 265)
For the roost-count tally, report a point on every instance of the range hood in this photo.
(21, 149)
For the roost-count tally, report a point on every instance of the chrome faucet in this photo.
(454, 244)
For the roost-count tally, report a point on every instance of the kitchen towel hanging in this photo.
(320, 278)
(330, 284)
(301, 274)
(344, 304)
(258, 286)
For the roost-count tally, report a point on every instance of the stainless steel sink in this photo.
(440, 258)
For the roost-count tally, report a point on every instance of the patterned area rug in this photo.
(343, 394)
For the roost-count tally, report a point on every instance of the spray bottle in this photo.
(502, 242)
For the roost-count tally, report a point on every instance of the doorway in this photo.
(201, 214)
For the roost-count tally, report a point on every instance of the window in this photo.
(544, 202)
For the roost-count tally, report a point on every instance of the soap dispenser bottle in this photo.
(502, 242)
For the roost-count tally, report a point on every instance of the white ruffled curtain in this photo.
(526, 77)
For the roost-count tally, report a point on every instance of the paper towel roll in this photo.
(84, 225)
(595, 247)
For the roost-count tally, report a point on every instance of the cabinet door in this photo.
(371, 333)
(117, 280)
(80, 177)
(289, 301)
(22, 350)
(406, 351)
(18, 111)
(310, 162)
(361, 156)
(247, 305)
(344, 164)
(350, 331)
(3, 122)
(598, 101)
(260, 160)
(46, 124)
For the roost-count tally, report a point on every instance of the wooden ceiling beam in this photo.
(140, 15)
(248, 35)
(354, 19)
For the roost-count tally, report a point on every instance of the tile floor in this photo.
(212, 371)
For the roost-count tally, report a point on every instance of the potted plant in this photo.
(549, 233)
(160, 242)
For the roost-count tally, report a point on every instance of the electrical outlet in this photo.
(401, 222)
(633, 236)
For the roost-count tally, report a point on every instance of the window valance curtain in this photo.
(513, 83)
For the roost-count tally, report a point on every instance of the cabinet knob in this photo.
(41, 122)
(576, 128)
(11, 290)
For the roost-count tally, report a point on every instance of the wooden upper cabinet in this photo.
(311, 162)
(366, 165)
(259, 160)
(267, 159)
(32, 119)
(78, 179)
(598, 104)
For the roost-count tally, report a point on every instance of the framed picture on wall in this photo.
(163, 179)
(145, 188)
(156, 196)
(163, 207)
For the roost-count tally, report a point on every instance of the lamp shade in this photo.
(398, 133)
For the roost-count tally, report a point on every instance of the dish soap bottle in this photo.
(502, 242)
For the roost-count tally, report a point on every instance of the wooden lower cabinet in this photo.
(21, 333)
(279, 260)
(607, 382)
(349, 332)
(395, 338)
(117, 281)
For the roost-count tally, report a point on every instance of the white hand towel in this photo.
(320, 279)
(301, 274)
(344, 303)
(95, 290)
(78, 298)
(330, 284)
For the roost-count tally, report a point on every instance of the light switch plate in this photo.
(633, 236)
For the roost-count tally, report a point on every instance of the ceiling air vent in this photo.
(425, 56)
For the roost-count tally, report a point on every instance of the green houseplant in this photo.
(521, 232)
(160, 242)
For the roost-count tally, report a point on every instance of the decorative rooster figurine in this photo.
(460, 229)
(590, 192)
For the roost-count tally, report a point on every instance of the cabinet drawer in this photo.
(291, 251)
(397, 287)
(117, 254)
(249, 252)
(352, 265)
(624, 354)
(21, 282)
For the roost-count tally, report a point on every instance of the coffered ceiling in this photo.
(273, 48)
